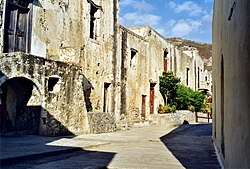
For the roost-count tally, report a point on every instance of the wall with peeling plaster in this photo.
(59, 111)
(94, 74)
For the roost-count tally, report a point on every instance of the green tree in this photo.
(179, 95)
(168, 86)
(188, 97)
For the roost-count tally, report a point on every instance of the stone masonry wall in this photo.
(62, 101)
(174, 119)
(101, 122)
(65, 106)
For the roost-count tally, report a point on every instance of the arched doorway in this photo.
(20, 107)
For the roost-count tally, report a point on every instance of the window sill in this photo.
(95, 41)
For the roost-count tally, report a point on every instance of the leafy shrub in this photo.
(166, 109)
(161, 109)
(179, 95)
(188, 97)
(191, 108)
(203, 110)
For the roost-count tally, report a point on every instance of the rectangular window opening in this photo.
(187, 76)
(93, 10)
(165, 60)
(51, 83)
(133, 54)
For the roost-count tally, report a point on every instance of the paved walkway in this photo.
(189, 146)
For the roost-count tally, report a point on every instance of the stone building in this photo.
(193, 63)
(231, 79)
(144, 55)
(68, 67)
(60, 49)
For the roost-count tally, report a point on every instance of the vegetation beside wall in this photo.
(178, 95)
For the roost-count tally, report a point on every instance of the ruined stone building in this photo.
(68, 67)
(231, 79)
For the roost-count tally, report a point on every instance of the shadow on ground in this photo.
(51, 152)
(192, 145)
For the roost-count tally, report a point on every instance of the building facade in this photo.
(68, 67)
(231, 78)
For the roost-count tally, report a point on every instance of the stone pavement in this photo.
(189, 146)
(16, 149)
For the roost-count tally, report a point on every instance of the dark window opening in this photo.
(133, 54)
(165, 60)
(187, 76)
(205, 78)
(51, 83)
(195, 74)
(198, 78)
(93, 10)
(105, 99)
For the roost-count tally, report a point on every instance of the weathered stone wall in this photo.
(134, 73)
(231, 79)
(57, 42)
(175, 119)
(154, 53)
(61, 32)
(63, 107)
(101, 122)
(189, 57)
(65, 104)
(137, 74)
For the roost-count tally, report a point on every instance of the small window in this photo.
(187, 78)
(93, 10)
(133, 57)
(94, 19)
(51, 83)
(165, 60)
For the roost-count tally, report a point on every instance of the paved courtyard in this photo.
(189, 146)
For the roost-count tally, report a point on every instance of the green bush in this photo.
(166, 109)
(161, 109)
(191, 108)
(188, 97)
(179, 95)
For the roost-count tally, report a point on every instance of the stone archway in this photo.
(20, 107)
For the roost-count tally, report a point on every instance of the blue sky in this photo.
(189, 19)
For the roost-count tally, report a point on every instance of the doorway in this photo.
(152, 97)
(106, 98)
(16, 27)
(143, 108)
(21, 107)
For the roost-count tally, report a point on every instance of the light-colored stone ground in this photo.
(189, 146)
(139, 148)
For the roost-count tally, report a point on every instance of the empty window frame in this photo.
(52, 82)
(133, 57)
(165, 60)
(94, 20)
(187, 76)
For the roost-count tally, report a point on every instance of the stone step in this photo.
(138, 123)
